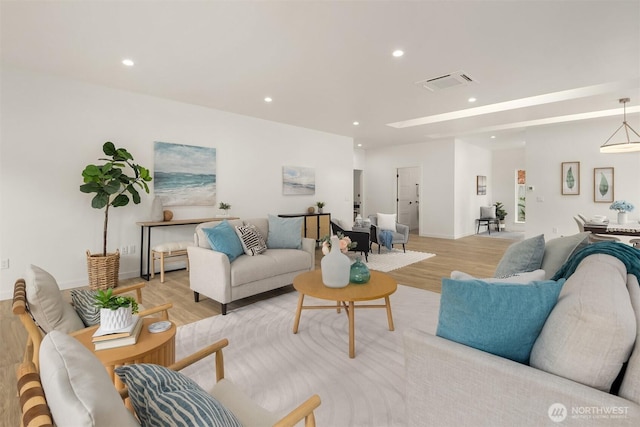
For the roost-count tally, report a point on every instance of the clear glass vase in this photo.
(359, 272)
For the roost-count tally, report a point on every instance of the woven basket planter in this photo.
(103, 270)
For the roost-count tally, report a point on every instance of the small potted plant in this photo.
(320, 205)
(500, 214)
(116, 311)
(224, 207)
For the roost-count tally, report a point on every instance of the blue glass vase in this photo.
(359, 272)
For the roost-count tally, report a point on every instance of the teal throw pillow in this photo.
(499, 318)
(223, 238)
(521, 257)
(162, 397)
(284, 233)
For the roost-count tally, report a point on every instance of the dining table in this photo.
(613, 229)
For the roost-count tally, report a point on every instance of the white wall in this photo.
(53, 127)
(437, 162)
(470, 161)
(548, 147)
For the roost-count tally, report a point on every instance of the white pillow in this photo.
(518, 278)
(46, 304)
(78, 388)
(387, 221)
(591, 331)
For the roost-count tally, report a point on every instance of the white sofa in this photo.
(212, 275)
(591, 331)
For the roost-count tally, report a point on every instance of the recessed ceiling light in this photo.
(127, 62)
(472, 99)
(356, 123)
(268, 99)
(493, 137)
(359, 145)
(398, 53)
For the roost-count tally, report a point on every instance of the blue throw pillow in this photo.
(162, 397)
(284, 233)
(499, 318)
(223, 238)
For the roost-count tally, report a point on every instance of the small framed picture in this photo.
(603, 185)
(570, 178)
(481, 185)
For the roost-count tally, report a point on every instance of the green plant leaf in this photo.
(570, 180)
(111, 187)
(100, 201)
(120, 200)
(604, 185)
(134, 194)
(90, 187)
(108, 148)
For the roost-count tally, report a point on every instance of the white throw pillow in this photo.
(518, 278)
(46, 304)
(591, 330)
(387, 221)
(78, 388)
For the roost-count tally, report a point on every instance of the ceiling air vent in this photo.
(458, 78)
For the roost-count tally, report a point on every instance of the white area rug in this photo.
(279, 370)
(392, 260)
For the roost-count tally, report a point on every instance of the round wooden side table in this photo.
(158, 348)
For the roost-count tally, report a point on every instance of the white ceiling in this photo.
(327, 64)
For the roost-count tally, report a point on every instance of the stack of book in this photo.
(103, 340)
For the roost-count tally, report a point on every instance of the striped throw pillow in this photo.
(84, 302)
(252, 241)
(162, 397)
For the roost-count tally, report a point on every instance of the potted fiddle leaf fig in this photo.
(114, 182)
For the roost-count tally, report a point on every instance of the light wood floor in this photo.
(475, 255)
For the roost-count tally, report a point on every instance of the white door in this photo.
(408, 196)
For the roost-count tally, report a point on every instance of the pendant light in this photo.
(625, 146)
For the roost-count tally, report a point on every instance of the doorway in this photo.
(408, 197)
(357, 193)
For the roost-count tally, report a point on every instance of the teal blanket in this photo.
(629, 256)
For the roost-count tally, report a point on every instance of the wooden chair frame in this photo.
(20, 308)
(36, 413)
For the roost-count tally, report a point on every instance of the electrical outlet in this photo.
(124, 250)
(555, 230)
(4, 264)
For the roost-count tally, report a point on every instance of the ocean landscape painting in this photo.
(184, 175)
(298, 180)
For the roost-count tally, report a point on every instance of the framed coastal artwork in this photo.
(298, 180)
(184, 175)
(481, 185)
(603, 185)
(570, 178)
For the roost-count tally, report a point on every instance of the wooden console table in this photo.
(148, 225)
(316, 225)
